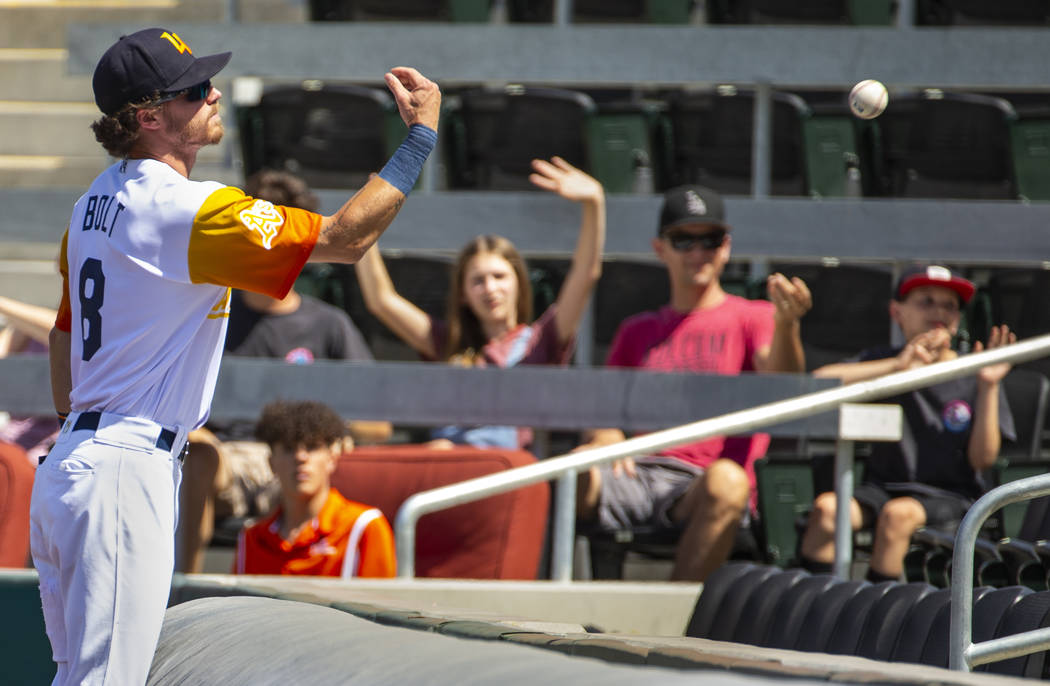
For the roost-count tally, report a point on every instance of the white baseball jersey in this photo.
(148, 262)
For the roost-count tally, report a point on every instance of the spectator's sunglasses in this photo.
(684, 242)
(193, 93)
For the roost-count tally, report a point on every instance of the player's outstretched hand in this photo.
(998, 337)
(418, 98)
(558, 176)
(790, 296)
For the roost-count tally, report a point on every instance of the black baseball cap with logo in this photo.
(934, 275)
(685, 205)
(149, 61)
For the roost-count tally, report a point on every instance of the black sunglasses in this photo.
(193, 93)
(684, 242)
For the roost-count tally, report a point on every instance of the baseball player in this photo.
(147, 263)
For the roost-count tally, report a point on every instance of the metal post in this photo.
(762, 141)
(562, 12)
(585, 336)
(905, 14)
(843, 497)
(960, 633)
(564, 528)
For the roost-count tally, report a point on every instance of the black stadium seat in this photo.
(731, 609)
(934, 650)
(710, 134)
(917, 624)
(890, 621)
(824, 614)
(493, 134)
(332, 135)
(716, 587)
(845, 636)
(760, 609)
(1029, 613)
(982, 13)
(789, 619)
(936, 144)
(886, 618)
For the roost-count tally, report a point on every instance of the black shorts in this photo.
(944, 509)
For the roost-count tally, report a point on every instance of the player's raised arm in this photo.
(347, 234)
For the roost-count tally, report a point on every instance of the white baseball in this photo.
(868, 99)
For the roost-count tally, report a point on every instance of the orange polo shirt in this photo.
(346, 539)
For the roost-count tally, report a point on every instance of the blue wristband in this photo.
(403, 168)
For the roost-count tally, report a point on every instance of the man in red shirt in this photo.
(314, 530)
(701, 489)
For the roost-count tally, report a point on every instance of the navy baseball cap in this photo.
(148, 61)
(934, 275)
(692, 205)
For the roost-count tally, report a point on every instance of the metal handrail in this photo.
(742, 421)
(963, 653)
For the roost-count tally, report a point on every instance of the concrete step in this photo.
(42, 23)
(40, 74)
(32, 281)
(56, 128)
(71, 171)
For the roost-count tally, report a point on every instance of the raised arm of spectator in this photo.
(411, 324)
(32, 321)
(985, 439)
(347, 234)
(792, 300)
(560, 177)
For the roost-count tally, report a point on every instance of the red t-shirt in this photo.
(720, 340)
(347, 539)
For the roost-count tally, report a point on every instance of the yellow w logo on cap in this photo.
(177, 42)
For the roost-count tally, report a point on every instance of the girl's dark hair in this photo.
(293, 423)
(464, 329)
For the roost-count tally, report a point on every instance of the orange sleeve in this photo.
(251, 244)
(64, 319)
(378, 558)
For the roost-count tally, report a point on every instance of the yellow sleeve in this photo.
(252, 244)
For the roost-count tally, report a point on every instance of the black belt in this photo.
(88, 421)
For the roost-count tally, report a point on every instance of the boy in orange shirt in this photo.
(314, 530)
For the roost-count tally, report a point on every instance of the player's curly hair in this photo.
(465, 335)
(281, 188)
(118, 132)
(293, 423)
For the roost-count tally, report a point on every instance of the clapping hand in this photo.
(997, 338)
(790, 296)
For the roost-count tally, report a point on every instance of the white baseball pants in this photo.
(103, 517)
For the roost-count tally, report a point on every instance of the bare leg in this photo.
(898, 520)
(197, 506)
(711, 510)
(818, 542)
